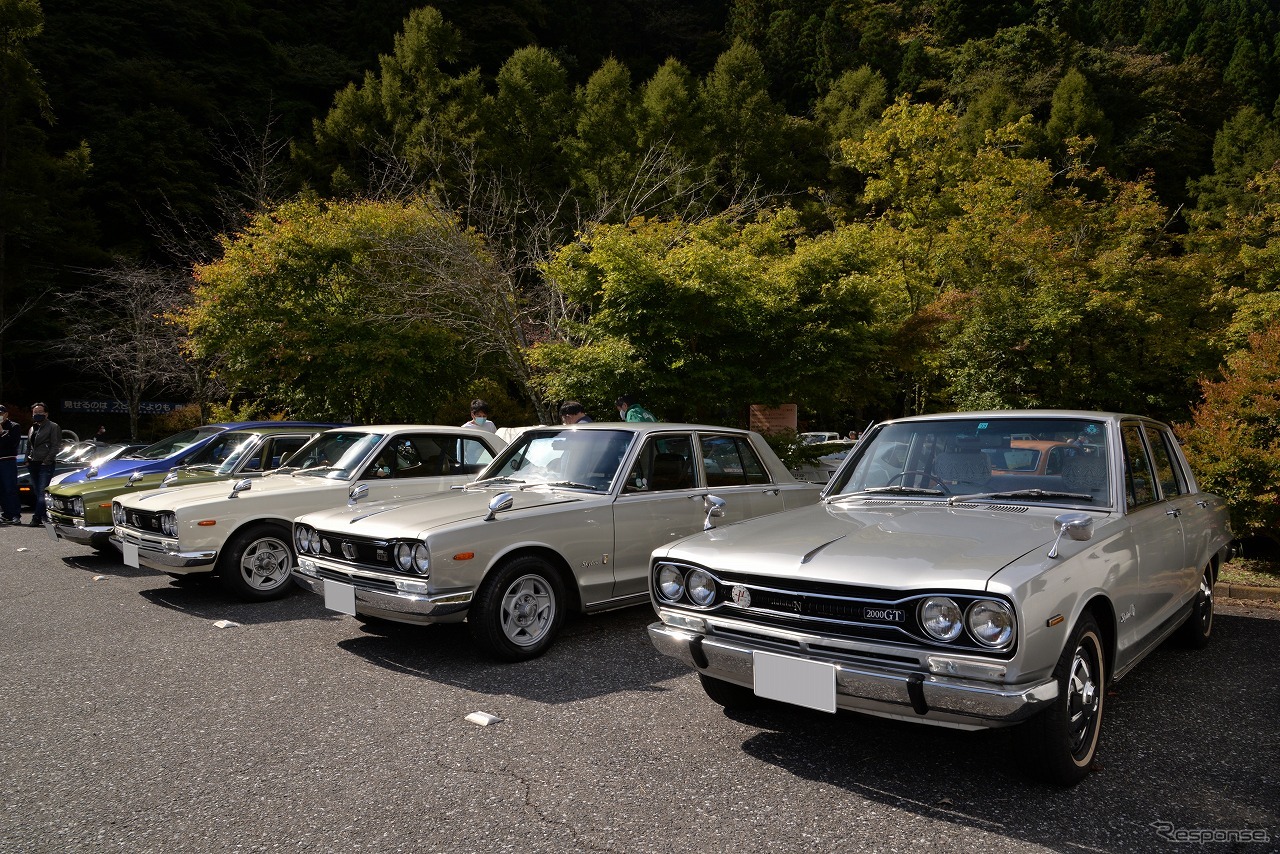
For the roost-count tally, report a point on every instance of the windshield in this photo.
(575, 459)
(222, 450)
(174, 444)
(1045, 460)
(337, 455)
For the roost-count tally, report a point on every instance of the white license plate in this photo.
(53, 532)
(340, 597)
(130, 554)
(794, 680)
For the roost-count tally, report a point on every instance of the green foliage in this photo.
(1233, 440)
(686, 315)
(293, 312)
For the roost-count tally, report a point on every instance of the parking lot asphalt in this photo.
(130, 721)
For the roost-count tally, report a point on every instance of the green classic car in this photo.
(81, 512)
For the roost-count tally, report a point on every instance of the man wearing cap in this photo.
(10, 434)
(43, 443)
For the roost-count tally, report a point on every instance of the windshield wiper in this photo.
(1021, 493)
(319, 469)
(497, 479)
(894, 490)
(572, 484)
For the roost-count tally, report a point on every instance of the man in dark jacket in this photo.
(43, 443)
(10, 436)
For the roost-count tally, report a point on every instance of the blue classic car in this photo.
(173, 451)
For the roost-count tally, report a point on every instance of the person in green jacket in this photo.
(629, 410)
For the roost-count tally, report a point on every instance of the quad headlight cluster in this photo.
(168, 524)
(117, 513)
(77, 506)
(408, 556)
(989, 622)
(692, 585)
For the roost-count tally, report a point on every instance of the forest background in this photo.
(376, 210)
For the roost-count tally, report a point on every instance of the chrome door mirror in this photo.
(356, 492)
(501, 501)
(1078, 526)
(169, 479)
(241, 486)
(134, 478)
(715, 510)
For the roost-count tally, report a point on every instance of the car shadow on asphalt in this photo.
(1168, 754)
(202, 596)
(594, 656)
(107, 564)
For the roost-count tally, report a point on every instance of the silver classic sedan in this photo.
(970, 570)
(563, 520)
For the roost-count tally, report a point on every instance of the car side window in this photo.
(731, 461)
(665, 463)
(1168, 474)
(277, 449)
(1140, 487)
(468, 456)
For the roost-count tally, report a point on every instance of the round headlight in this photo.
(670, 582)
(702, 588)
(421, 558)
(169, 524)
(313, 540)
(990, 622)
(77, 507)
(301, 538)
(117, 513)
(404, 557)
(941, 618)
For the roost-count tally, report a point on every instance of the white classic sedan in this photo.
(564, 519)
(952, 577)
(242, 531)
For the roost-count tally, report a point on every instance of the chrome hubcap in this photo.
(528, 608)
(1082, 701)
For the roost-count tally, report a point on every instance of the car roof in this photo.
(1026, 413)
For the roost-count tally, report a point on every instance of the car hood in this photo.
(418, 517)
(896, 547)
(118, 467)
(179, 495)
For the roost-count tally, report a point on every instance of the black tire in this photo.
(518, 610)
(1059, 744)
(728, 694)
(1196, 631)
(256, 562)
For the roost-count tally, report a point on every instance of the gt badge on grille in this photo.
(349, 551)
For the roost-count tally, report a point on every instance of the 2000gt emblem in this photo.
(741, 596)
(349, 551)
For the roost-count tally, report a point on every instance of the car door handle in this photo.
(775, 490)
(1174, 513)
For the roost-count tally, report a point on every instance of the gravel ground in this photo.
(130, 721)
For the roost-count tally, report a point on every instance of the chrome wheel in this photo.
(265, 563)
(528, 610)
(1083, 702)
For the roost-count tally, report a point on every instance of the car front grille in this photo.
(142, 520)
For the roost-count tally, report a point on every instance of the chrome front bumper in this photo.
(402, 606)
(162, 557)
(84, 535)
(902, 694)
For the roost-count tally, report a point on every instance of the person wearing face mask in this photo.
(480, 417)
(43, 443)
(10, 501)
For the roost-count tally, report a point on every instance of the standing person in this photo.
(43, 443)
(629, 410)
(10, 502)
(572, 412)
(480, 417)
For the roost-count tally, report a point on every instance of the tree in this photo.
(123, 332)
(686, 314)
(299, 314)
(1233, 440)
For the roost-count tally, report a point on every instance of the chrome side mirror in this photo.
(1079, 526)
(134, 478)
(715, 510)
(169, 479)
(241, 486)
(357, 492)
(91, 473)
(501, 501)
